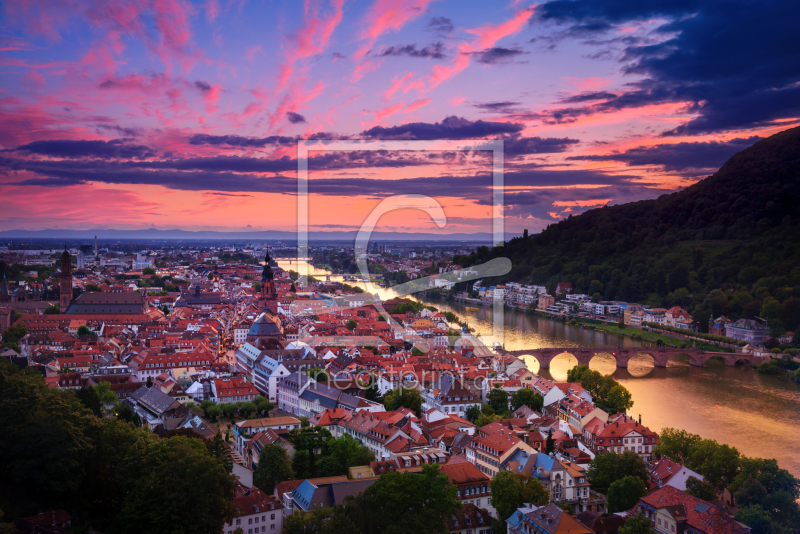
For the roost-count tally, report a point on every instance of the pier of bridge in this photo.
(622, 355)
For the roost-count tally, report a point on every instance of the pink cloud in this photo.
(457, 101)
(386, 15)
(366, 66)
(212, 10)
(383, 16)
(588, 84)
(396, 84)
(486, 36)
(386, 112)
(418, 104)
(310, 39)
(252, 51)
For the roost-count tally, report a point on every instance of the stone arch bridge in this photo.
(660, 355)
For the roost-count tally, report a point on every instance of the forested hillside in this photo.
(726, 245)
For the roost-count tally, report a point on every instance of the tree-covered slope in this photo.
(725, 245)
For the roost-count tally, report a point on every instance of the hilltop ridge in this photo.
(728, 244)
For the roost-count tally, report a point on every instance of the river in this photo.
(757, 414)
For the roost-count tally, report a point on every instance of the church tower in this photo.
(5, 296)
(268, 292)
(66, 281)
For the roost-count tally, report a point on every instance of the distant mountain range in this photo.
(269, 235)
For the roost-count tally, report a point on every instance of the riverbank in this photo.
(635, 334)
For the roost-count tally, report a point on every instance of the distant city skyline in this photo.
(176, 114)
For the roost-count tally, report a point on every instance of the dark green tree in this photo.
(677, 445)
(719, 464)
(511, 490)
(623, 494)
(90, 399)
(472, 413)
(550, 443)
(346, 452)
(701, 489)
(527, 397)
(760, 520)
(274, 466)
(84, 330)
(498, 399)
(404, 397)
(175, 474)
(318, 374)
(638, 524)
(399, 503)
(607, 468)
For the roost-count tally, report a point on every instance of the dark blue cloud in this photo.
(450, 128)
(202, 86)
(116, 148)
(434, 51)
(517, 146)
(737, 63)
(493, 56)
(688, 158)
(497, 107)
(441, 25)
(240, 141)
(295, 118)
(588, 97)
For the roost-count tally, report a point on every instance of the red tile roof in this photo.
(706, 517)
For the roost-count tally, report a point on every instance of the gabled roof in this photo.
(701, 515)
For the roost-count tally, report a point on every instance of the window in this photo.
(273, 516)
(256, 520)
(250, 521)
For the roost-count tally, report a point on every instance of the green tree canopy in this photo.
(118, 478)
(400, 503)
(701, 489)
(274, 466)
(719, 464)
(472, 413)
(175, 474)
(84, 330)
(498, 399)
(675, 444)
(404, 397)
(638, 524)
(511, 490)
(607, 468)
(527, 397)
(623, 494)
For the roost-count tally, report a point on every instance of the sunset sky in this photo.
(174, 114)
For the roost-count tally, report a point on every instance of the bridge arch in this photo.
(561, 363)
(603, 361)
(642, 363)
(531, 362)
